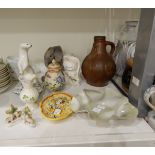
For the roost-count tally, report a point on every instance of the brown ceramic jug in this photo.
(99, 67)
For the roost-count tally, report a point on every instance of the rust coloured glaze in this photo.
(99, 67)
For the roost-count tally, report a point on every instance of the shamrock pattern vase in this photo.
(54, 77)
(29, 94)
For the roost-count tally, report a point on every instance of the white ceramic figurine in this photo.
(71, 69)
(23, 62)
(27, 77)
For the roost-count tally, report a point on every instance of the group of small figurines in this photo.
(61, 70)
(13, 115)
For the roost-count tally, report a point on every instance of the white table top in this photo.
(76, 130)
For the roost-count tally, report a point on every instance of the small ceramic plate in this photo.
(56, 106)
(4, 74)
(149, 97)
(4, 78)
(4, 70)
(3, 89)
(3, 84)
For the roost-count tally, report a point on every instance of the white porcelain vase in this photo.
(29, 94)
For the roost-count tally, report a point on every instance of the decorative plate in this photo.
(56, 106)
(4, 88)
(149, 93)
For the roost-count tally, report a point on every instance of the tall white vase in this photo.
(29, 94)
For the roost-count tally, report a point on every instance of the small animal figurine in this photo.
(27, 77)
(12, 115)
(53, 53)
(71, 69)
(29, 93)
(23, 62)
(27, 116)
(54, 77)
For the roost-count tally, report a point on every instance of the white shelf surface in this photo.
(77, 130)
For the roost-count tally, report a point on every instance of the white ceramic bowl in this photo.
(149, 97)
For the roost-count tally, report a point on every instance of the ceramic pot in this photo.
(54, 77)
(99, 67)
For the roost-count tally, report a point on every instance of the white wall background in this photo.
(73, 29)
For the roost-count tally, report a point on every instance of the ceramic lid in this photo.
(54, 65)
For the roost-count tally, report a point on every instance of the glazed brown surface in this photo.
(99, 67)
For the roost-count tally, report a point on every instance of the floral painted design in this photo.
(25, 97)
(32, 99)
(55, 82)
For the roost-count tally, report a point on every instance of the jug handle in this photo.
(112, 47)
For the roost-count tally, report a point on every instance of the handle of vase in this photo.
(112, 47)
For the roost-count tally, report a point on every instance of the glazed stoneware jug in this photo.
(54, 77)
(99, 67)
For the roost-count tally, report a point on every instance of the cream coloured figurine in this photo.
(27, 77)
(13, 115)
(71, 69)
(23, 62)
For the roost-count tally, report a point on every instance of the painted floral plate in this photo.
(56, 106)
